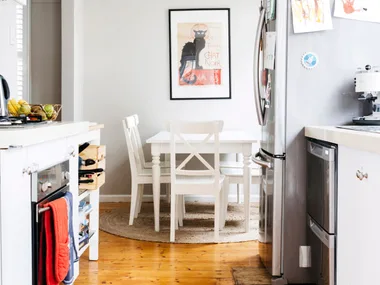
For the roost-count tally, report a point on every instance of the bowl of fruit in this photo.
(35, 112)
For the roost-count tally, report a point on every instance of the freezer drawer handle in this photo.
(258, 160)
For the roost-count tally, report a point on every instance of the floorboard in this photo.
(123, 261)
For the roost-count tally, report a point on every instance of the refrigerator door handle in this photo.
(256, 62)
(258, 159)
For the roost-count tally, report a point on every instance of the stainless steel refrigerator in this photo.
(300, 97)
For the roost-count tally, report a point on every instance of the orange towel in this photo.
(56, 238)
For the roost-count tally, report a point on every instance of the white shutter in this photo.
(20, 49)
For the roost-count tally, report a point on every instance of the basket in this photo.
(37, 108)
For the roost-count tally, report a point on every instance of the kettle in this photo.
(4, 96)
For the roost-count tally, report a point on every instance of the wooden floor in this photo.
(123, 261)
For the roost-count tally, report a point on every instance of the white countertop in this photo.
(34, 134)
(361, 140)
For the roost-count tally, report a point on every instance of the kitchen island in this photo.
(358, 211)
(26, 150)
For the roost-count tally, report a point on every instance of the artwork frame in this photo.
(199, 54)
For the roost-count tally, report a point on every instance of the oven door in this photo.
(322, 247)
(37, 223)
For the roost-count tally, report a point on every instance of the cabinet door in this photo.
(358, 229)
(15, 219)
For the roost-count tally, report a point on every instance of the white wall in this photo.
(8, 48)
(46, 51)
(72, 59)
(126, 71)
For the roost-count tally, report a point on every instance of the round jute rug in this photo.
(198, 224)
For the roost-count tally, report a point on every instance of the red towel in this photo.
(55, 232)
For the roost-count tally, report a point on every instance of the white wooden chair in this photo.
(234, 175)
(238, 163)
(148, 164)
(199, 182)
(140, 175)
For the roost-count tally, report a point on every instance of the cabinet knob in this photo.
(71, 151)
(31, 169)
(361, 175)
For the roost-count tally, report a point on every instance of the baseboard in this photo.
(149, 198)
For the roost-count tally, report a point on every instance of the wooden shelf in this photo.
(98, 182)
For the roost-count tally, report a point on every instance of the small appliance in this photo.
(367, 82)
(4, 96)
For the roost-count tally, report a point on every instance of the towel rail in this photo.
(43, 210)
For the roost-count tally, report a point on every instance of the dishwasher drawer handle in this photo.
(360, 175)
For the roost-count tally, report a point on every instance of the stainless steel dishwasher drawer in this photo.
(321, 184)
(321, 209)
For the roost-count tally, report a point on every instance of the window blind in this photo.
(20, 49)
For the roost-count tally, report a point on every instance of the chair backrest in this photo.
(182, 139)
(138, 139)
(129, 124)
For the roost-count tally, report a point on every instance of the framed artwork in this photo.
(200, 56)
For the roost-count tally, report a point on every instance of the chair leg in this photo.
(222, 202)
(172, 217)
(184, 205)
(167, 192)
(217, 216)
(224, 206)
(141, 196)
(177, 217)
(180, 210)
(238, 193)
(133, 203)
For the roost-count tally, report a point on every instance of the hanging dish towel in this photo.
(56, 237)
(73, 249)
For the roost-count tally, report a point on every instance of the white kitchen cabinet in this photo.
(15, 218)
(37, 149)
(358, 226)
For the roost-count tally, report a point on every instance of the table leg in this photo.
(156, 172)
(247, 153)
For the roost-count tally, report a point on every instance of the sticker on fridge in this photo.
(311, 15)
(362, 10)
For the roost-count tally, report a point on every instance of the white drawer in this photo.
(47, 154)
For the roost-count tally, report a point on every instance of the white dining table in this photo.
(231, 141)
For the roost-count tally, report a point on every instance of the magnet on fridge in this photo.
(310, 60)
